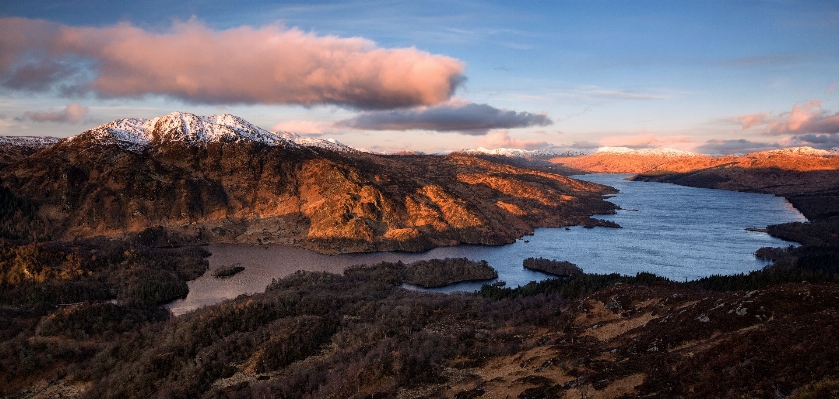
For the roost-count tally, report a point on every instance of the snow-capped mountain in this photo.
(136, 134)
(801, 151)
(329, 144)
(518, 152)
(28, 141)
(655, 152)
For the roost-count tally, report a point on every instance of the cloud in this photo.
(584, 145)
(596, 92)
(750, 120)
(831, 88)
(502, 139)
(460, 117)
(246, 65)
(759, 60)
(623, 95)
(808, 117)
(307, 128)
(650, 141)
(72, 113)
(822, 141)
(739, 146)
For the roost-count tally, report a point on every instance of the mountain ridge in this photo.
(625, 160)
(218, 179)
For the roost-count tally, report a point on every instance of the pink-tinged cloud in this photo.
(502, 139)
(821, 141)
(751, 120)
(650, 141)
(455, 116)
(805, 118)
(72, 113)
(307, 128)
(191, 62)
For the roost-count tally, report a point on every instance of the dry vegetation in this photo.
(360, 335)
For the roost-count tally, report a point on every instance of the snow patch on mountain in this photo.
(659, 152)
(801, 151)
(136, 134)
(329, 144)
(516, 152)
(28, 141)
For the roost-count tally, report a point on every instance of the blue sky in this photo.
(713, 77)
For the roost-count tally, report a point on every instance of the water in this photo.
(673, 231)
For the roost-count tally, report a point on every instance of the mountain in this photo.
(517, 153)
(187, 178)
(15, 148)
(627, 160)
(780, 172)
(807, 177)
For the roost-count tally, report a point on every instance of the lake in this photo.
(681, 233)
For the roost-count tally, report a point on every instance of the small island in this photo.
(432, 273)
(552, 267)
(228, 271)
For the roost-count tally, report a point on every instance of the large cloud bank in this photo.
(808, 117)
(191, 62)
(809, 124)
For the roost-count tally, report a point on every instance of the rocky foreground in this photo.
(183, 179)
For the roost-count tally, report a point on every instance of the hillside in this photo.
(359, 335)
(15, 148)
(625, 160)
(185, 178)
(806, 177)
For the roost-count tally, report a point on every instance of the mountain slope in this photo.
(780, 172)
(625, 160)
(221, 179)
(15, 148)
(808, 178)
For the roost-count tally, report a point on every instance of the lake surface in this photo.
(681, 233)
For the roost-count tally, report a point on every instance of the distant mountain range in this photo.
(626, 160)
(185, 178)
(521, 153)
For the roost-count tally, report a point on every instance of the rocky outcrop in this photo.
(219, 179)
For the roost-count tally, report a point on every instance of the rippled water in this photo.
(673, 231)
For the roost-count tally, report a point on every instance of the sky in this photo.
(713, 77)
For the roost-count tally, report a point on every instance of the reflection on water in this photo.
(673, 231)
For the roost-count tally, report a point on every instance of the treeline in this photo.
(573, 287)
(428, 273)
